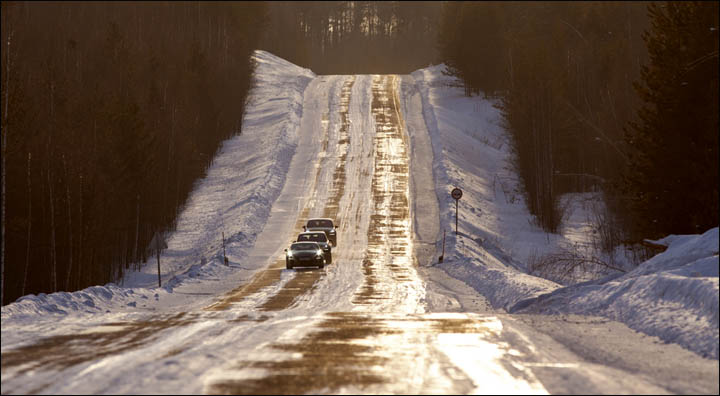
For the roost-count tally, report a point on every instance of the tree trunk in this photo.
(4, 154)
(29, 230)
(137, 231)
(53, 271)
(80, 242)
(70, 229)
(53, 251)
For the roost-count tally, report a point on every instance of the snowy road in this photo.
(374, 321)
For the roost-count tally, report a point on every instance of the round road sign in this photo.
(456, 193)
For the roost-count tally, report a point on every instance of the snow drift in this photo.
(674, 295)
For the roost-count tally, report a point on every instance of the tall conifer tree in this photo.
(672, 180)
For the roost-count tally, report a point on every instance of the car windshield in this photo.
(320, 223)
(316, 236)
(304, 246)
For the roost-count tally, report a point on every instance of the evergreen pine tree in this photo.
(672, 180)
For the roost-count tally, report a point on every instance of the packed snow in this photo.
(674, 295)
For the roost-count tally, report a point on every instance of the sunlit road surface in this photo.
(360, 325)
(386, 344)
(391, 353)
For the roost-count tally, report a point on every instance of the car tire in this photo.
(321, 266)
(287, 264)
(329, 258)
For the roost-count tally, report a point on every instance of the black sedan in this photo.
(321, 238)
(304, 254)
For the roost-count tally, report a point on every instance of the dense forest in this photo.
(615, 97)
(112, 110)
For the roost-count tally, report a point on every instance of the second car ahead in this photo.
(323, 224)
(304, 254)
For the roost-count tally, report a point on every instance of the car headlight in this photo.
(332, 231)
(319, 252)
(289, 254)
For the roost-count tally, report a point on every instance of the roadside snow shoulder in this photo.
(470, 151)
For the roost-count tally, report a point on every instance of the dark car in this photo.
(304, 254)
(321, 238)
(323, 224)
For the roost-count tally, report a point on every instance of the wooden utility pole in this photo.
(225, 259)
(158, 242)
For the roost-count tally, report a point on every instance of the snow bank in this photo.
(496, 232)
(235, 197)
(673, 295)
(89, 300)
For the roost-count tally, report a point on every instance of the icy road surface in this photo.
(370, 322)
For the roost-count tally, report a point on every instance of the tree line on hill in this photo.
(615, 97)
(354, 37)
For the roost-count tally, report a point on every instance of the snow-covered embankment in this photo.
(673, 296)
(471, 151)
(235, 198)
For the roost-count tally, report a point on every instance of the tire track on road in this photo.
(304, 280)
(389, 233)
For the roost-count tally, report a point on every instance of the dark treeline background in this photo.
(354, 37)
(616, 97)
(111, 111)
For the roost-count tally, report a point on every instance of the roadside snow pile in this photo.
(235, 197)
(90, 300)
(244, 180)
(471, 151)
(674, 295)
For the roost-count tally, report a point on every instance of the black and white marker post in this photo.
(456, 194)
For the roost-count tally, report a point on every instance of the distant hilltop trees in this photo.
(354, 37)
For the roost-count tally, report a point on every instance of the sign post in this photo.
(442, 256)
(456, 194)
